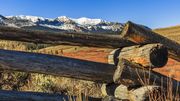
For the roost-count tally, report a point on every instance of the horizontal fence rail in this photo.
(142, 35)
(38, 96)
(139, 50)
(80, 69)
(132, 34)
(83, 39)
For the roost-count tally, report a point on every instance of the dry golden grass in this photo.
(21, 81)
(161, 94)
(172, 33)
(20, 46)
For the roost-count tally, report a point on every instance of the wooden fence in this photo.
(138, 50)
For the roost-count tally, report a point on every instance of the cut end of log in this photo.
(148, 56)
(131, 32)
(140, 34)
(125, 30)
(159, 56)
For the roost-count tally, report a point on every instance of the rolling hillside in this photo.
(172, 33)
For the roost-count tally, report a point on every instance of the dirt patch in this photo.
(171, 69)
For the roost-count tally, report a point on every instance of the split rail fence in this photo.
(138, 51)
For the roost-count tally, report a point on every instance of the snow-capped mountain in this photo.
(29, 18)
(87, 21)
(61, 23)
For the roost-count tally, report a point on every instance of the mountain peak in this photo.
(60, 23)
(27, 17)
(2, 17)
(87, 21)
(80, 21)
(64, 19)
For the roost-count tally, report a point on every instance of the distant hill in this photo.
(172, 33)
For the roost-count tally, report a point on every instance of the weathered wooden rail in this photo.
(83, 39)
(38, 96)
(30, 96)
(142, 35)
(131, 63)
(149, 56)
(127, 73)
(132, 34)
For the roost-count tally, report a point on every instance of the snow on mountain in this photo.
(30, 18)
(87, 21)
(80, 21)
(64, 19)
(63, 27)
(62, 23)
(1, 18)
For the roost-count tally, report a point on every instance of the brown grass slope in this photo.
(172, 33)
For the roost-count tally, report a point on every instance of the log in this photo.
(148, 56)
(69, 38)
(37, 96)
(122, 92)
(73, 68)
(142, 77)
(56, 65)
(30, 96)
(142, 35)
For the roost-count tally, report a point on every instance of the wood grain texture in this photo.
(38, 96)
(126, 72)
(142, 35)
(30, 96)
(68, 67)
(148, 56)
(56, 65)
(57, 38)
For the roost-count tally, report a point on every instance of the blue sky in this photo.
(153, 13)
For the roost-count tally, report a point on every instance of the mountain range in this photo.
(62, 23)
